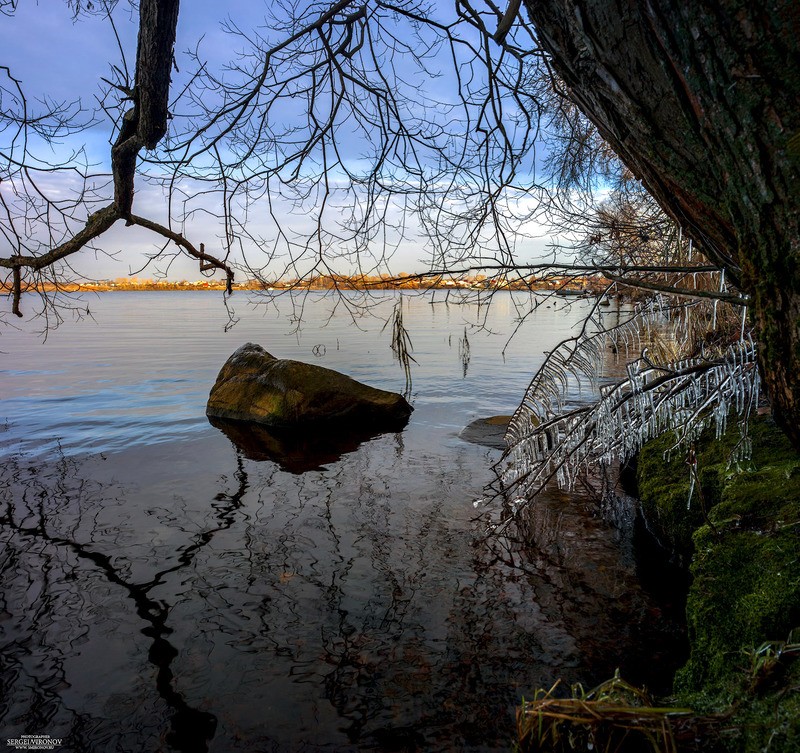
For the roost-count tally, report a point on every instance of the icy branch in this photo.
(652, 400)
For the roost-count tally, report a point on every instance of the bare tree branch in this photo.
(178, 239)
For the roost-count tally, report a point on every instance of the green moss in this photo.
(663, 482)
(745, 591)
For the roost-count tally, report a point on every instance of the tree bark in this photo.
(158, 21)
(145, 124)
(701, 100)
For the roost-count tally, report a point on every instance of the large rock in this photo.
(255, 386)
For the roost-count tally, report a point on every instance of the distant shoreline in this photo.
(571, 287)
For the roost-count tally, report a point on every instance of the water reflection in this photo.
(30, 525)
(167, 592)
(298, 451)
(331, 611)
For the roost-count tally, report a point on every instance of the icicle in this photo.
(744, 317)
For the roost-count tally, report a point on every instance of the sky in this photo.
(59, 58)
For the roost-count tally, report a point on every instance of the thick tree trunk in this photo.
(701, 100)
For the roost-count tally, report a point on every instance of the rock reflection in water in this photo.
(297, 451)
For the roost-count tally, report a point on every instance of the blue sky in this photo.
(57, 57)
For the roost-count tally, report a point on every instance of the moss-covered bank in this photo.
(741, 535)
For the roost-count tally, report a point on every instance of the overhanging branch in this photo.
(187, 246)
(680, 292)
(96, 225)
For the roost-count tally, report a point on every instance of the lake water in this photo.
(162, 591)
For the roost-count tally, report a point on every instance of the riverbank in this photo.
(736, 533)
(741, 538)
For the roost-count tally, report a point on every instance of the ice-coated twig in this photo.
(682, 398)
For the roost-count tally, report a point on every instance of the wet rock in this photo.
(489, 432)
(254, 386)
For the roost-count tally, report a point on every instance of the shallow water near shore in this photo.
(161, 591)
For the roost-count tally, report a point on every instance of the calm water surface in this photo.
(161, 591)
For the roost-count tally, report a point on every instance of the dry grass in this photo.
(614, 717)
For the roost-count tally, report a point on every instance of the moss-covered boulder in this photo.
(742, 534)
(255, 386)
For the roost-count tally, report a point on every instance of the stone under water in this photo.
(489, 432)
